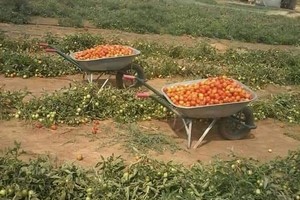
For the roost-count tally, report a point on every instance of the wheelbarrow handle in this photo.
(166, 104)
(128, 77)
(143, 95)
(52, 49)
(160, 100)
(142, 81)
(157, 96)
(43, 45)
(49, 50)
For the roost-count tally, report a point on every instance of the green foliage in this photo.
(197, 18)
(10, 102)
(179, 18)
(25, 65)
(254, 68)
(146, 178)
(285, 107)
(83, 103)
(52, 8)
(75, 42)
(15, 11)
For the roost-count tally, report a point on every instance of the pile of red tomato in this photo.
(103, 51)
(217, 90)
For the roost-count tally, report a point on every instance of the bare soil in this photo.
(67, 143)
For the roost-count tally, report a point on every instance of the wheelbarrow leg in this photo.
(89, 77)
(102, 86)
(205, 133)
(175, 122)
(188, 128)
(105, 82)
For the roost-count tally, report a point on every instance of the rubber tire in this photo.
(238, 133)
(119, 76)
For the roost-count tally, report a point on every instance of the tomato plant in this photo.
(10, 102)
(145, 178)
(82, 103)
(254, 68)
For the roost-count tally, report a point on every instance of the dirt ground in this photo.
(66, 143)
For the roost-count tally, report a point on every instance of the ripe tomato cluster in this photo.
(103, 51)
(211, 91)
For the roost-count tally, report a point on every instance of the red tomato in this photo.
(216, 90)
(102, 51)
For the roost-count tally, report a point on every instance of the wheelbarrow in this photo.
(117, 66)
(235, 120)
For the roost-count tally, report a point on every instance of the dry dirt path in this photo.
(66, 143)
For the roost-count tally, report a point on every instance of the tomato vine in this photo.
(112, 178)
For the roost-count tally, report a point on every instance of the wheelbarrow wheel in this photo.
(132, 69)
(237, 126)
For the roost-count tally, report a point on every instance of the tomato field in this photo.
(149, 179)
(63, 137)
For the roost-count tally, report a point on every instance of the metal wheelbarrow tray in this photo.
(106, 64)
(235, 119)
(209, 111)
(118, 65)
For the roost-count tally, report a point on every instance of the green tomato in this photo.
(126, 175)
(30, 192)
(147, 179)
(10, 191)
(165, 175)
(89, 190)
(2, 192)
(24, 193)
(257, 191)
